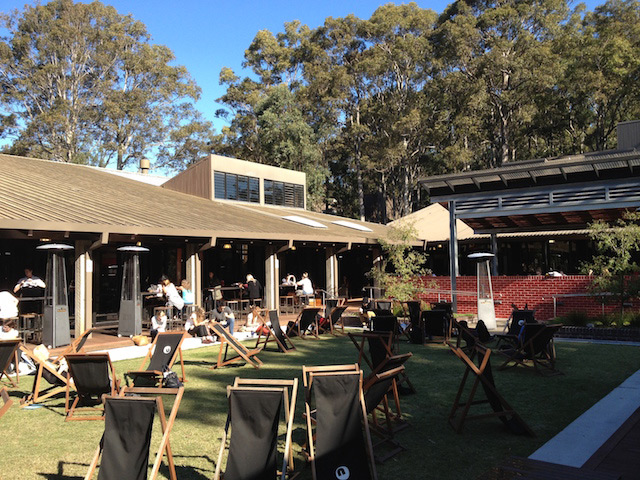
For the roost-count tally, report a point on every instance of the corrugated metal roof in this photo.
(44, 195)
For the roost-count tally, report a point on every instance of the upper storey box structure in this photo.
(224, 178)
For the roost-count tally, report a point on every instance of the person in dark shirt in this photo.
(254, 289)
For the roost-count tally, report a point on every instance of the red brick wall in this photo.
(536, 290)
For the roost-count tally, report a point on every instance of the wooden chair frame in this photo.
(167, 426)
(289, 389)
(308, 374)
(6, 401)
(16, 359)
(271, 336)
(386, 339)
(147, 360)
(226, 339)
(457, 422)
(37, 396)
(71, 410)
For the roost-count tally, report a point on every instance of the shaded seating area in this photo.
(535, 345)
(274, 334)
(162, 354)
(242, 353)
(9, 354)
(92, 375)
(480, 374)
(123, 451)
(253, 441)
(339, 446)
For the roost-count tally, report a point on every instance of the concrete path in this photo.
(574, 445)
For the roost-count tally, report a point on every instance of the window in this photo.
(229, 186)
(283, 194)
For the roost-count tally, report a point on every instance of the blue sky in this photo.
(206, 35)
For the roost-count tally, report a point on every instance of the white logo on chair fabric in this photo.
(342, 473)
(166, 350)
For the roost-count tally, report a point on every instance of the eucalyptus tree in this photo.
(82, 83)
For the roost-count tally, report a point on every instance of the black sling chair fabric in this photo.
(436, 323)
(8, 350)
(127, 438)
(93, 376)
(483, 375)
(340, 450)
(165, 349)
(285, 345)
(376, 390)
(471, 336)
(254, 416)
(306, 323)
(535, 346)
(333, 319)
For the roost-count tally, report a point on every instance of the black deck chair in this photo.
(387, 323)
(6, 401)
(437, 323)
(338, 448)
(242, 352)
(93, 376)
(275, 334)
(306, 323)
(162, 354)
(471, 336)
(334, 319)
(126, 441)
(46, 371)
(9, 353)
(534, 345)
(383, 307)
(376, 391)
(483, 376)
(254, 438)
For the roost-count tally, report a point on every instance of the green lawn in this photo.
(38, 444)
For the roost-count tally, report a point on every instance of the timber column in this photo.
(194, 272)
(453, 254)
(83, 287)
(271, 278)
(331, 269)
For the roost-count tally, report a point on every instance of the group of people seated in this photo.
(197, 325)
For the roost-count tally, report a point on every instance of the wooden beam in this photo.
(104, 240)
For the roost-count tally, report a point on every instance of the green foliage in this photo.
(575, 319)
(401, 265)
(409, 93)
(615, 271)
(81, 83)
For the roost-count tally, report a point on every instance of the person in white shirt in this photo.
(305, 284)
(28, 281)
(8, 331)
(8, 305)
(174, 299)
(158, 324)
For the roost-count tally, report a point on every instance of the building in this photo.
(257, 227)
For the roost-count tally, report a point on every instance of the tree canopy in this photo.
(408, 93)
(81, 83)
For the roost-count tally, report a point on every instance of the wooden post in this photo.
(83, 287)
(271, 280)
(194, 272)
(453, 253)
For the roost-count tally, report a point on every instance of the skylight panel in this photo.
(304, 221)
(355, 226)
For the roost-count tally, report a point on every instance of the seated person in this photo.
(196, 325)
(158, 324)
(187, 294)
(174, 299)
(9, 331)
(224, 315)
(8, 305)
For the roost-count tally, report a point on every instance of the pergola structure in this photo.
(546, 194)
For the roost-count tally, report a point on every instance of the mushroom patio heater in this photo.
(130, 318)
(486, 308)
(55, 321)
